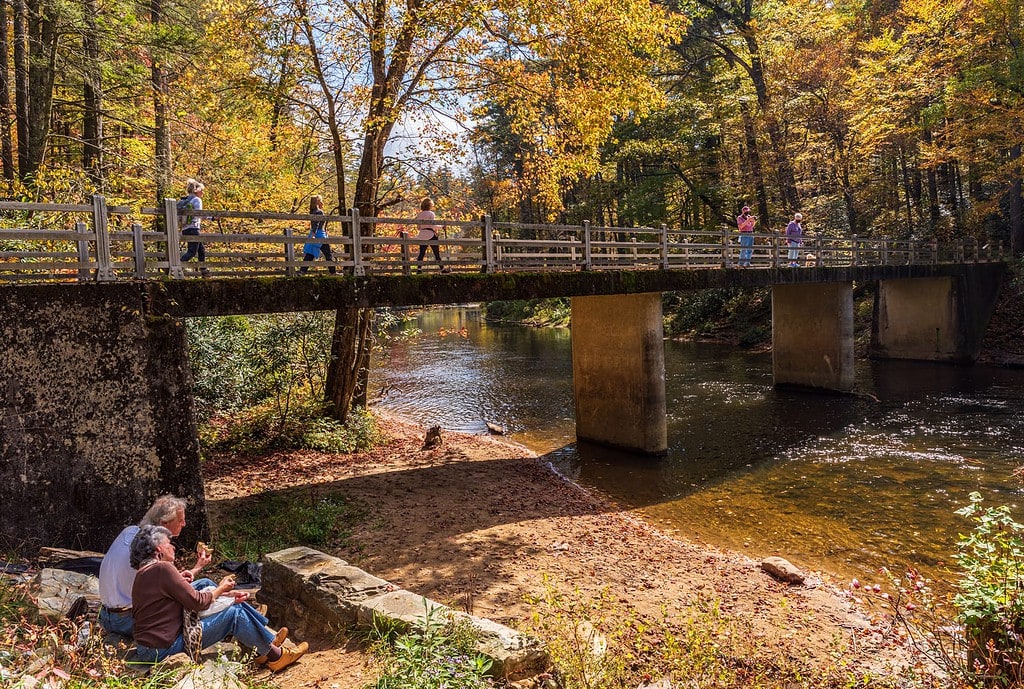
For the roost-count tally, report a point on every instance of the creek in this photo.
(843, 484)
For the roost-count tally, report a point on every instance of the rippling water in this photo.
(844, 484)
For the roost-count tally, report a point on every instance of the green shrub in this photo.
(266, 427)
(438, 656)
(537, 312)
(990, 592)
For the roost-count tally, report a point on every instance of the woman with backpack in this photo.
(317, 230)
(193, 200)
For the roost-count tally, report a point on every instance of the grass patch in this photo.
(267, 523)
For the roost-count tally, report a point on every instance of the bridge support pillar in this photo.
(96, 419)
(618, 362)
(934, 319)
(812, 335)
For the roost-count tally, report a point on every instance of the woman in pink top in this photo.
(428, 232)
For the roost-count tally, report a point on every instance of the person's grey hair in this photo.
(164, 510)
(193, 186)
(145, 543)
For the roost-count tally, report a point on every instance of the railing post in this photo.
(819, 249)
(498, 251)
(725, 248)
(487, 232)
(357, 244)
(775, 244)
(139, 249)
(588, 251)
(104, 264)
(633, 249)
(289, 253)
(885, 251)
(911, 253)
(854, 251)
(962, 249)
(83, 252)
(664, 247)
(406, 266)
(173, 238)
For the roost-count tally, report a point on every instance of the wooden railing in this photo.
(94, 242)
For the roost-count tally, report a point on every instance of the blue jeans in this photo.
(240, 620)
(746, 240)
(117, 622)
(124, 624)
(193, 248)
(794, 251)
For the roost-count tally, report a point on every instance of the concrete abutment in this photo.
(97, 417)
(934, 319)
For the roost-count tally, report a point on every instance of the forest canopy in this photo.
(886, 119)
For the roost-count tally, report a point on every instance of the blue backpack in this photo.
(184, 204)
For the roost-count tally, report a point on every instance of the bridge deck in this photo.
(85, 243)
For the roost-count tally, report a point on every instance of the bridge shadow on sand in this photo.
(445, 528)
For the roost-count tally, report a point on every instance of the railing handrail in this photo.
(478, 245)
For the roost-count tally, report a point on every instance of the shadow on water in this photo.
(841, 483)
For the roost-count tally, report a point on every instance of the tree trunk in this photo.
(6, 143)
(92, 95)
(352, 328)
(21, 91)
(42, 57)
(783, 168)
(1015, 204)
(161, 123)
(754, 160)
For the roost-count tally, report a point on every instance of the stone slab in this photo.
(314, 593)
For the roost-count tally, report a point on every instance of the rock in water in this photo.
(494, 428)
(783, 570)
(433, 438)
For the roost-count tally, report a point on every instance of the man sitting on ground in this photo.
(117, 575)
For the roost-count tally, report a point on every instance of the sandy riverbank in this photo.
(479, 524)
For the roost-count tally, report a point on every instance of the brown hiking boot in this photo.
(288, 656)
(279, 639)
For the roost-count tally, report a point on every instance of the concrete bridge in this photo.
(98, 415)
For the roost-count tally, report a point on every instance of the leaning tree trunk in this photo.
(352, 329)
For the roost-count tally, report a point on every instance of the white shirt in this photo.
(116, 574)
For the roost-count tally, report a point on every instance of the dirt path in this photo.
(478, 524)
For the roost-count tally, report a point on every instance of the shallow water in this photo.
(844, 484)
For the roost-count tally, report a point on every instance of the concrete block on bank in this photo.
(316, 594)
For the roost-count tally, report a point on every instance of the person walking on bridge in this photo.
(745, 224)
(193, 200)
(317, 230)
(428, 232)
(794, 239)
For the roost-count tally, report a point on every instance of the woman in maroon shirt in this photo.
(160, 595)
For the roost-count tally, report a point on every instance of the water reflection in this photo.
(840, 483)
